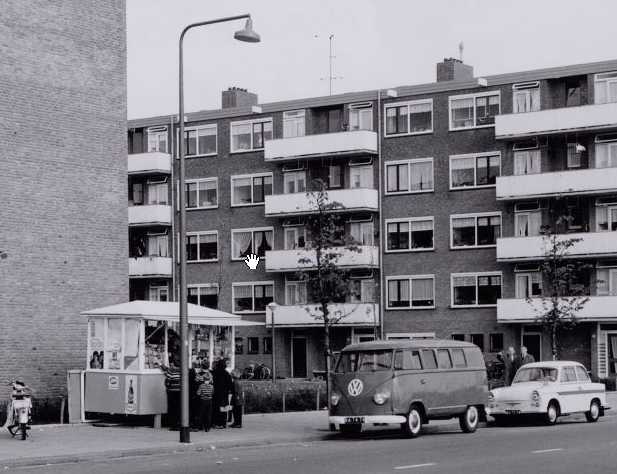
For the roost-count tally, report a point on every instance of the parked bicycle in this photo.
(19, 410)
(257, 372)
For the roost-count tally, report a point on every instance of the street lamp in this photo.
(273, 306)
(249, 36)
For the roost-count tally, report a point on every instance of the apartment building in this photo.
(445, 188)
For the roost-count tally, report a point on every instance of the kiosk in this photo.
(128, 343)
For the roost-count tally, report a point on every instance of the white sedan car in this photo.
(550, 389)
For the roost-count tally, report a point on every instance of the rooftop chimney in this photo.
(452, 69)
(237, 97)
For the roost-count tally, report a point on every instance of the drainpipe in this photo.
(173, 212)
(380, 218)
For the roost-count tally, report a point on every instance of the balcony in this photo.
(146, 267)
(552, 121)
(592, 245)
(325, 144)
(597, 308)
(149, 215)
(289, 260)
(299, 203)
(354, 314)
(579, 182)
(149, 163)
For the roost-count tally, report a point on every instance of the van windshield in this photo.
(364, 361)
(536, 374)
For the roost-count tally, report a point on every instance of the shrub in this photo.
(267, 397)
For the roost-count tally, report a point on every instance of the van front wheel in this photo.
(413, 426)
(469, 420)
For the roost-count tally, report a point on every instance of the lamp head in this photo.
(247, 34)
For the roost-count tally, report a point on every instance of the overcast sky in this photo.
(378, 44)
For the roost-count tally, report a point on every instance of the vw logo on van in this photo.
(355, 387)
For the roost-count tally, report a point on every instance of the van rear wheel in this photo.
(469, 420)
(413, 426)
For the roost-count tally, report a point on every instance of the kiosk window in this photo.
(113, 349)
(407, 360)
(443, 356)
(458, 357)
(428, 359)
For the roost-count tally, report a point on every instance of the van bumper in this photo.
(369, 419)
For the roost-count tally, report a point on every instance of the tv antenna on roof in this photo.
(461, 46)
(331, 77)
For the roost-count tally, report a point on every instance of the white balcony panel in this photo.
(597, 308)
(143, 267)
(566, 119)
(301, 203)
(351, 314)
(592, 244)
(340, 143)
(579, 182)
(149, 215)
(146, 163)
(289, 260)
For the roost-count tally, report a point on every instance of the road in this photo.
(572, 446)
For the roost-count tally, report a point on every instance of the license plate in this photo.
(354, 420)
(513, 412)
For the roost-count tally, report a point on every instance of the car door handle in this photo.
(422, 381)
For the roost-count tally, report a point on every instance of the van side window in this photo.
(443, 356)
(458, 358)
(407, 360)
(428, 359)
(474, 358)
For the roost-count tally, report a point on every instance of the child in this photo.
(204, 393)
(237, 400)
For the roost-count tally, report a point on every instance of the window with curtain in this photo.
(263, 241)
(526, 97)
(471, 171)
(487, 170)
(399, 293)
(464, 290)
(361, 117)
(335, 176)
(420, 117)
(411, 292)
(462, 172)
(294, 123)
(412, 117)
(242, 244)
(241, 137)
(606, 281)
(422, 292)
(396, 120)
(243, 298)
(158, 245)
(250, 189)
(361, 177)
(476, 289)
(295, 292)
(606, 216)
(157, 193)
(473, 111)
(263, 295)
(138, 193)
(398, 235)
(528, 284)
(527, 224)
(463, 232)
(295, 237)
(201, 193)
(241, 190)
(157, 140)
(245, 242)
(462, 113)
(421, 175)
(605, 87)
(606, 155)
(294, 182)
(397, 177)
(527, 162)
(202, 246)
(204, 295)
(362, 232)
(200, 140)
(488, 230)
(421, 234)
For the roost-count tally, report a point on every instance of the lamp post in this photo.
(272, 306)
(247, 35)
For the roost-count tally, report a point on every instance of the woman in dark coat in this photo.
(223, 387)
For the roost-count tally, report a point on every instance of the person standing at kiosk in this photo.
(172, 384)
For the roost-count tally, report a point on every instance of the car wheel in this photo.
(413, 426)
(469, 420)
(552, 413)
(351, 429)
(594, 412)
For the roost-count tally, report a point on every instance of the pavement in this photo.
(61, 444)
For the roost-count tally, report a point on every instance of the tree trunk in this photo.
(326, 326)
(554, 341)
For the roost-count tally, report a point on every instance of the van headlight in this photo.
(381, 397)
(335, 398)
(491, 397)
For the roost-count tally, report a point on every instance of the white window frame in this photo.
(197, 128)
(358, 107)
(409, 278)
(409, 220)
(251, 176)
(252, 284)
(529, 275)
(408, 103)
(612, 275)
(364, 283)
(476, 275)
(198, 286)
(409, 162)
(526, 87)
(295, 228)
(296, 283)
(475, 156)
(603, 79)
(600, 141)
(199, 234)
(610, 207)
(294, 115)
(474, 97)
(157, 131)
(157, 289)
(475, 215)
(252, 230)
(251, 123)
(197, 180)
(362, 170)
(294, 174)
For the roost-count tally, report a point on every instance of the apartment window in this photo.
(458, 337)
(606, 214)
(606, 87)
(361, 116)
(267, 345)
(475, 110)
(475, 230)
(158, 245)
(409, 117)
(361, 177)
(252, 297)
(606, 152)
(335, 176)
(475, 289)
(251, 241)
(472, 171)
(250, 189)
(295, 237)
(157, 192)
(295, 292)
(239, 345)
(410, 234)
(409, 176)
(528, 284)
(201, 193)
(294, 124)
(201, 140)
(526, 161)
(204, 295)
(526, 97)
(411, 292)
(606, 281)
(573, 92)
(362, 290)
(574, 156)
(495, 342)
(158, 293)
(250, 135)
(157, 139)
(478, 340)
(362, 233)
(527, 219)
(202, 246)
(252, 345)
(294, 182)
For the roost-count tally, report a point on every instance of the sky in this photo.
(378, 44)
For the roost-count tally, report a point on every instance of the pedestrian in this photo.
(172, 385)
(204, 393)
(511, 363)
(526, 357)
(237, 401)
(194, 402)
(223, 389)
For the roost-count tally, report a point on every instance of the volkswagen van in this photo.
(408, 383)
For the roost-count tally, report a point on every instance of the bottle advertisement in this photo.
(130, 402)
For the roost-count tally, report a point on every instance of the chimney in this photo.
(237, 97)
(452, 69)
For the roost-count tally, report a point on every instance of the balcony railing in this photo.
(592, 244)
(149, 163)
(351, 314)
(149, 215)
(552, 121)
(597, 308)
(290, 260)
(325, 144)
(299, 203)
(144, 267)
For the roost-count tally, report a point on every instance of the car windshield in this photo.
(536, 374)
(364, 361)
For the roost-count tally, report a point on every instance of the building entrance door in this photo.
(533, 343)
(298, 357)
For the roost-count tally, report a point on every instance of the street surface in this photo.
(572, 446)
